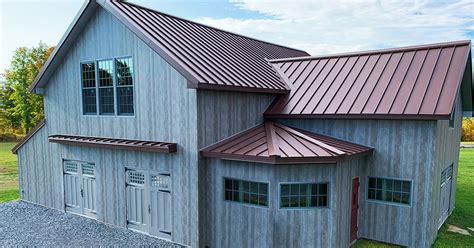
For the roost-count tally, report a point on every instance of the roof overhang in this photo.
(114, 143)
(33, 131)
(273, 143)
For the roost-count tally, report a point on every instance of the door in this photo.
(354, 207)
(79, 188)
(445, 194)
(149, 202)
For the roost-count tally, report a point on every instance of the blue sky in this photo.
(319, 27)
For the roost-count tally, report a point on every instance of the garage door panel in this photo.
(79, 188)
(137, 206)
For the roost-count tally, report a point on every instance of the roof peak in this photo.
(377, 51)
(205, 25)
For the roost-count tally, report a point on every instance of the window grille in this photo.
(70, 167)
(161, 181)
(247, 192)
(136, 177)
(389, 190)
(88, 169)
(303, 195)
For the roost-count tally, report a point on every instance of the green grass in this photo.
(8, 173)
(463, 214)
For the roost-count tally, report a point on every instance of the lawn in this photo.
(8, 173)
(463, 214)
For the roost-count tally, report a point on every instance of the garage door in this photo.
(79, 188)
(149, 202)
(445, 197)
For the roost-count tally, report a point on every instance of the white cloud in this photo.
(322, 27)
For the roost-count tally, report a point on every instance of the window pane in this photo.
(235, 184)
(228, 195)
(106, 100)
(294, 189)
(262, 200)
(397, 185)
(303, 188)
(124, 71)
(387, 196)
(294, 201)
(323, 189)
(88, 75)
(322, 202)
(378, 194)
(406, 187)
(388, 184)
(262, 188)
(236, 196)
(379, 183)
(405, 198)
(125, 100)
(246, 198)
(105, 73)
(397, 197)
(254, 187)
(314, 201)
(371, 194)
(285, 202)
(372, 182)
(285, 189)
(89, 101)
(228, 184)
(303, 201)
(254, 199)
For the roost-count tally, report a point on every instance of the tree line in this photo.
(21, 110)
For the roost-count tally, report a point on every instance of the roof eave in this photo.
(220, 87)
(358, 116)
(28, 136)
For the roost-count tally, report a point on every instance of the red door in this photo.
(354, 207)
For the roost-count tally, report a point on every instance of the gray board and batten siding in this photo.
(165, 110)
(407, 150)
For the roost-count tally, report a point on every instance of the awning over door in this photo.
(113, 143)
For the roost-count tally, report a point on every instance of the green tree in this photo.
(20, 107)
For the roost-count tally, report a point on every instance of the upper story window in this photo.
(303, 195)
(389, 190)
(247, 192)
(107, 87)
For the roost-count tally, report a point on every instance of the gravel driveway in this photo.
(25, 224)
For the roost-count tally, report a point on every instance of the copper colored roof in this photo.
(112, 143)
(274, 143)
(210, 58)
(411, 82)
(28, 136)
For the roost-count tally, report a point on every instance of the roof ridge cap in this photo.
(273, 149)
(375, 51)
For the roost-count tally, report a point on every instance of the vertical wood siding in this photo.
(220, 115)
(403, 149)
(232, 224)
(447, 153)
(165, 110)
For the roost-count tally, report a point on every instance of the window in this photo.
(88, 88)
(451, 120)
(124, 71)
(247, 192)
(107, 87)
(161, 181)
(389, 190)
(305, 195)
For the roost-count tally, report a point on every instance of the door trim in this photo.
(352, 241)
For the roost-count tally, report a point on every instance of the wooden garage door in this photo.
(149, 202)
(79, 188)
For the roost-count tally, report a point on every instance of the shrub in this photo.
(8, 137)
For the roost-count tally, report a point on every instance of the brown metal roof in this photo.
(28, 136)
(274, 143)
(209, 58)
(112, 143)
(411, 82)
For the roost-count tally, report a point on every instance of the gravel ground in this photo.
(26, 224)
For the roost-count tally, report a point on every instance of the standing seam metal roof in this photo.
(216, 59)
(278, 144)
(417, 82)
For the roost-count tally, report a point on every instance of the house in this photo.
(209, 138)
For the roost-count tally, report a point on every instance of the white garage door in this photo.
(149, 202)
(445, 194)
(79, 188)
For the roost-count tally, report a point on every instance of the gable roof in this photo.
(209, 58)
(274, 143)
(419, 82)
